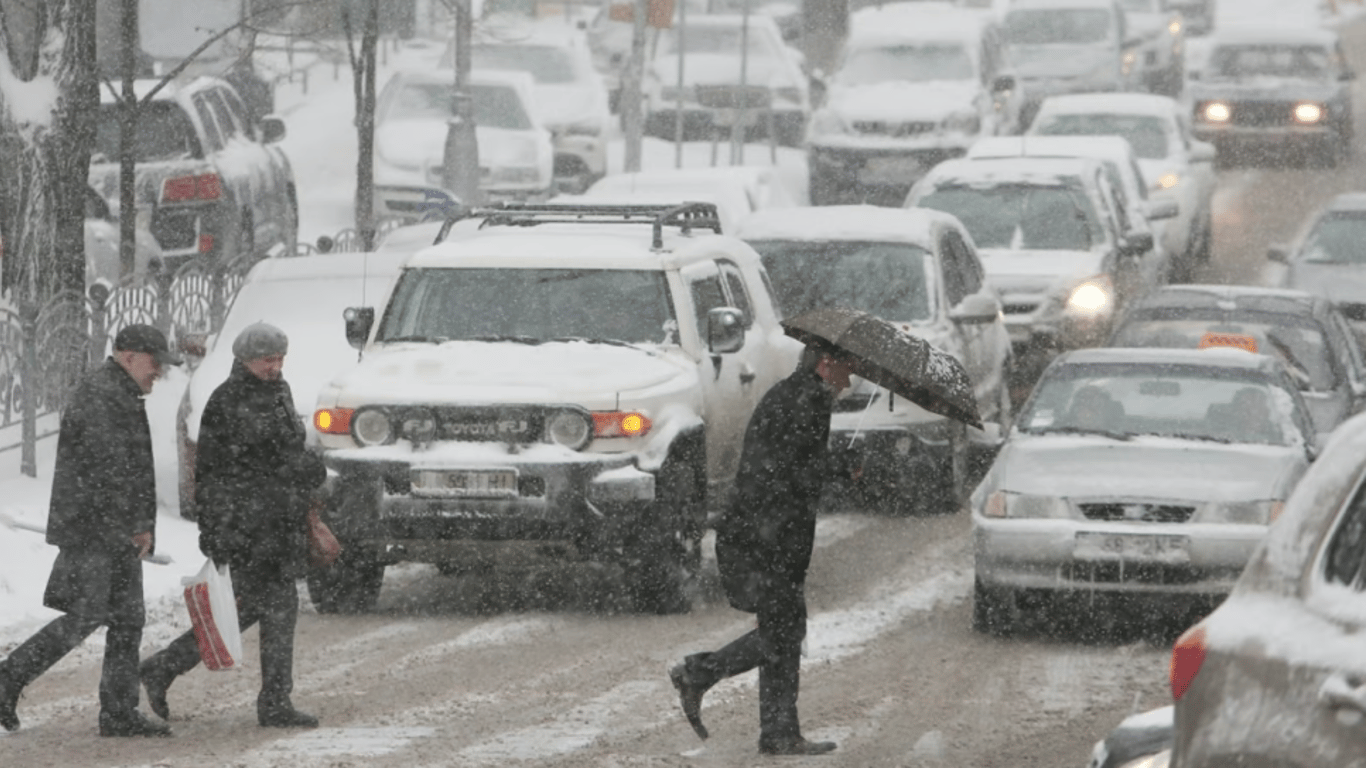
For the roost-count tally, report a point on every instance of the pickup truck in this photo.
(549, 383)
(211, 184)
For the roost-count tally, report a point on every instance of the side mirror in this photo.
(1165, 208)
(1278, 253)
(1136, 244)
(725, 330)
(1003, 84)
(272, 129)
(977, 308)
(358, 322)
(1202, 152)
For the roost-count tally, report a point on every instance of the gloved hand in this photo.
(304, 471)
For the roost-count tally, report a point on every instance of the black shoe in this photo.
(285, 717)
(690, 697)
(133, 724)
(797, 746)
(156, 684)
(9, 702)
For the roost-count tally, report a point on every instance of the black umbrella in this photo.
(887, 356)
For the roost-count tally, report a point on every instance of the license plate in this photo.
(1132, 547)
(465, 483)
(904, 170)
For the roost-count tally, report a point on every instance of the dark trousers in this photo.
(775, 647)
(105, 589)
(264, 597)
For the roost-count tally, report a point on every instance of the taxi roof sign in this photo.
(1235, 340)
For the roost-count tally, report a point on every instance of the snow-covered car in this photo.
(1176, 166)
(556, 383)
(736, 190)
(1274, 675)
(272, 293)
(1138, 214)
(102, 259)
(916, 83)
(1327, 258)
(1141, 740)
(1276, 88)
(718, 69)
(1050, 237)
(1303, 331)
(516, 156)
(1161, 54)
(1147, 474)
(918, 269)
(211, 184)
(1069, 46)
(569, 95)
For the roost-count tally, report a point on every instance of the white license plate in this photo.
(904, 170)
(465, 483)
(1132, 547)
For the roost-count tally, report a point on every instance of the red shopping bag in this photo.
(213, 612)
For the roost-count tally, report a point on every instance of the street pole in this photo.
(630, 88)
(737, 129)
(681, 40)
(460, 161)
(128, 121)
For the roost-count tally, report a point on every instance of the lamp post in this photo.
(460, 160)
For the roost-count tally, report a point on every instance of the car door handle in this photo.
(1342, 691)
(747, 374)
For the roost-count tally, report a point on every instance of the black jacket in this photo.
(253, 475)
(104, 482)
(770, 526)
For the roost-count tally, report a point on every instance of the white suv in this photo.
(562, 381)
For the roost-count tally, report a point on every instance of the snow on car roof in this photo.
(1030, 170)
(111, 92)
(1110, 103)
(847, 222)
(1214, 357)
(1280, 35)
(1115, 148)
(917, 21)
(596, 246)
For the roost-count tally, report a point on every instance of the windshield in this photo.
(1021, 216)
(529, 304)
(906, 63)
(1147, 135)
(889, 280)
(1337, 239)
(1057, 26)
(1140, 6)
(712, 39)
(495, 106)
(544, 63)
(1125, 400)
(1305, 62)
(164, 132)
(1298, 342)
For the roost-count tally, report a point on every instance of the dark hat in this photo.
(145, 338)
(259, 340)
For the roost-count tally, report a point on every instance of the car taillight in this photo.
(333, 421)
(1187, 656)
(619, 424)
(206, 186)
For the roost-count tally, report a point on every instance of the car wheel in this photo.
(662, 563)
(350, 585)
(992, 610)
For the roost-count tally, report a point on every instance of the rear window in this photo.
(1147, 135)
(164, 132)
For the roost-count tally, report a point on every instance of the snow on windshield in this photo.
(1147, 135)
(906, 63)
(1303, 62)
(713, 39)
(889, 280)
(494, 106)
(1057, 26)
(1020, 216)
(531, 305)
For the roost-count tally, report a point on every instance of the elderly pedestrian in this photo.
(253, 480)
(763, 549)
(102, 519)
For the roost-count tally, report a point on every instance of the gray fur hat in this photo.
(259, 340)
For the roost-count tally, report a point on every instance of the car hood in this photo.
(1146, 467)
(484, 372)
(1262, 89)
(932, 101)
(421, 143)
(1338, 282)
(1012, 271)
(722, 69)
(1059, 60)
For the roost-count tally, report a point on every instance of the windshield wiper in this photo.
(1193, 436)
(520, 339)
(596, 340)
(416, 337)
(1113, 434)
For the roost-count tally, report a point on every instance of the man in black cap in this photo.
(102, 518)
(253, 480)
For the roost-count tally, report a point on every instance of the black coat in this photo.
(768, 531)
(104, 482)
(253, 475)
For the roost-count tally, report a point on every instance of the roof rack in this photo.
(686, 216)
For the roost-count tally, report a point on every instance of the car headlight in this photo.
(1165, 182)
(1091, 297)
(965, 122)
(1308, 113)
(1216, 112)
(1262, 512)
(371, 426)
(826, 123)
(1008, 504)
(1174, 27)
(572, 429)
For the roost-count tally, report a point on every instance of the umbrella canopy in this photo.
(889, 357)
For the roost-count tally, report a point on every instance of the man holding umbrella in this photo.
(764, 539)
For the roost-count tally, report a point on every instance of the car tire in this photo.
(992, 610)
(350, 585)
(663, 560)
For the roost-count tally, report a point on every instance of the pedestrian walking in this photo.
(763, 549)
(102, 519)
(253, 481)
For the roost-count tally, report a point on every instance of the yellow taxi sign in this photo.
(1235, 340)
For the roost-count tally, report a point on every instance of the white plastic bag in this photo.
(213, 612)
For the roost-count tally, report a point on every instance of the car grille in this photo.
(1262, 114)
(894, 130)
(1125, 572)
(1137, 513)
(1019, 308)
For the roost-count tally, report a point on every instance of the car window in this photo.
(1053, 26)
(545, 64)
(1021, 216)
(212, 133)
(890, 280)
(1345, 562)
(494, 106)
(164, 132)
(228, 125)
(707, 294)
(238, 108)
(915, 63)
(1311, 62)
(1349, 341)
(735, 287)
(1147, 134)
(1336, 239)
(960, 262)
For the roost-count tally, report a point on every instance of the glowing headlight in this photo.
(571, 429)
(372, 427)
(1007, 504)
(1308, 113)
(1174, 27)
(1166, 181)
(1217, 112)
(1091, 297)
